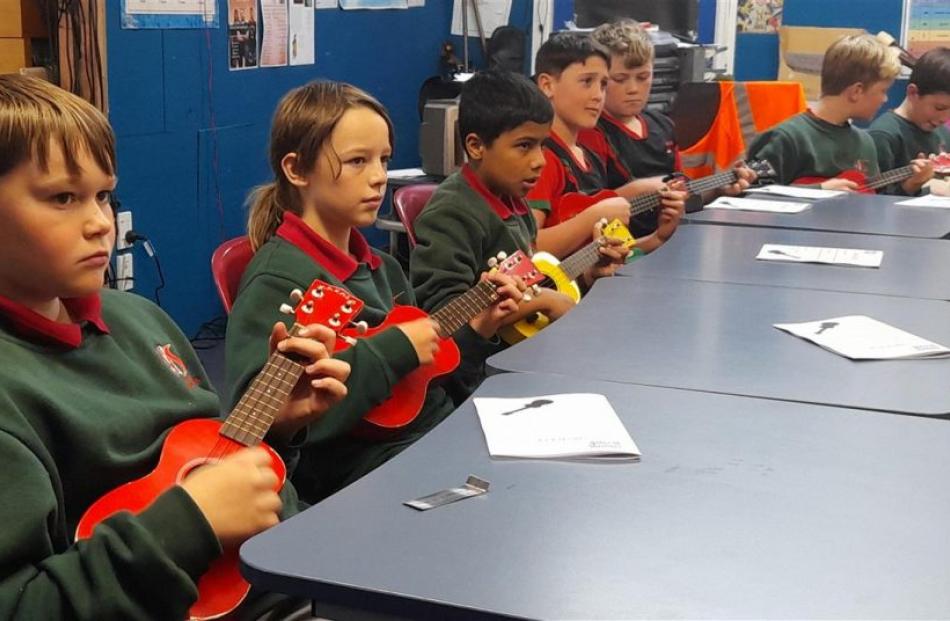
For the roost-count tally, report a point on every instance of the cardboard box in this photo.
(21, 19)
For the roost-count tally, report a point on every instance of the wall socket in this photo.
(124, 278)
(123, 224)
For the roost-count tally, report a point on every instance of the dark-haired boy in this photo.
(481, 210)
(572, 72)
(917, 127)
(856, 72)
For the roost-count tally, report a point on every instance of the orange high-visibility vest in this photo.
(745, 109)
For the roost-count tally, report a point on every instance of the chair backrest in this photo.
(408, 202)
(227, 266)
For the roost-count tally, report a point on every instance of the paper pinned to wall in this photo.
(161, 14)
(274, 44)
(327, 4)
(493, 13)
(242, 34)
(301, 32)
(348, 5)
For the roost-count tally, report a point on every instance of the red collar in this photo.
(34, 326)
(582, 164)
(623, 126)
(342, 265)
(505, 207)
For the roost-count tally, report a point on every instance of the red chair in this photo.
(408, 202)
(227, 266)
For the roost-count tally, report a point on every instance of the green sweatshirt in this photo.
(899, 141)
(331, 457)
(460, 229)
(806, 146)
(77, 422)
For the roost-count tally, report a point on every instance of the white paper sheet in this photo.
(815, 254)
(563, 426)
(928, 200)
(862, 338)
(794, 191)
(494, 13)
(755, 204)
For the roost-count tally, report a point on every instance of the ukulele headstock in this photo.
(325, 304)
(763, 169)
(941, 162)
(616, 229)
(517, 265)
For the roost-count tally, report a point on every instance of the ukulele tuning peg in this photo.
(296, 295)
(361, 327)
(502, 255)
(287, 309)
(493, 262)
(536, 289)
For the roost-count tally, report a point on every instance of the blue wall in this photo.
(192, 136)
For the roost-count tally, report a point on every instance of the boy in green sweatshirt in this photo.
(93, 381)
(917, 127)
(856, 72)
(481, 210)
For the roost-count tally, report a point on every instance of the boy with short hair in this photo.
(481, 210)
(572, 72)
(93, 380)
(637, 143)
(856, 72)
(917, 127)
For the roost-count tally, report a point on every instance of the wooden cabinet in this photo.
(20, 21)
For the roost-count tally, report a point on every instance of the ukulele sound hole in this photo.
(193, 465)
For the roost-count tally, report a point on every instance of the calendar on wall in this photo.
(169, 14)
(926, 25)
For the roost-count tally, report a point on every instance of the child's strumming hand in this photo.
(322, 384)
(615, 208)
(236, 495)
(923, 169)
(554, 304)
(839, 184)
(509, 290)
(424, 338)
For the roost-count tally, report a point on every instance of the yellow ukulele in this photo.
(562, 275)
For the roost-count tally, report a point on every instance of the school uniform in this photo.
(463, 226)
(85, 408)
(899, 141)
(332, 455)
(564, 174)
(629, 155)
(806, 146)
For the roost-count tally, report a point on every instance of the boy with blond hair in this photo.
(637, 144)
(856, 72)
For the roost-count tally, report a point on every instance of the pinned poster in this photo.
(242, 34)
(275, 42)
(163, 14)
(348, 5)
(301, 32)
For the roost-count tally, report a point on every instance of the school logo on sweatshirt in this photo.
(861, 166)
(175, 364)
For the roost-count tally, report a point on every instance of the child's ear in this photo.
(546, 83)
(912, 90)
(288, 164)
(474, 147)
(854, 92)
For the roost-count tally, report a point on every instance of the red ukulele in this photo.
(193, 443)
(574, 203)
(870, 185)
(405, 402)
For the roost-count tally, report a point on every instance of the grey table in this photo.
(719, 337)
(917, 268)
(855, 213)
(740, 509)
